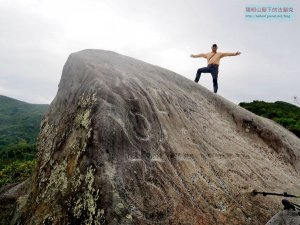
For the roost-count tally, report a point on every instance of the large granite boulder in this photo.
(127, 142)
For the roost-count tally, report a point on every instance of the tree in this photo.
(297, 100)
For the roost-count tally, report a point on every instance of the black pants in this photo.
(213, 69)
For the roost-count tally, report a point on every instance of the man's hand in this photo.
(193, 56)
(238, 53)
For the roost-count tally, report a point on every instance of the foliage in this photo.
(22, 151)
(286, 114)
(16, 162)
(19, 121)
(19, 127)
(16, 172)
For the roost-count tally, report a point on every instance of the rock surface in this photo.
(9, 195)
(127, 142)
(286, 217)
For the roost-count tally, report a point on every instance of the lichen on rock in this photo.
(86, 203)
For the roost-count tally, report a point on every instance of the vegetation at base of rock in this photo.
(21, 151)
(16, 162)
(19, 128)
(286, 114)
(16, 171)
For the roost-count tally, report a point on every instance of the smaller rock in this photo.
(9, 194)
(287, 217)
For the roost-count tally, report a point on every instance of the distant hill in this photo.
(286, 114)
(19, 127)
(19, 121)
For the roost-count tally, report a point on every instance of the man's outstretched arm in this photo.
(230, 53)
(199, 55)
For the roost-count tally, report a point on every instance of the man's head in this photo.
(214, 47)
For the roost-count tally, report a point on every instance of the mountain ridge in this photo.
(19, 120)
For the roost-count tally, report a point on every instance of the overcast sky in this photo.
(38, 35)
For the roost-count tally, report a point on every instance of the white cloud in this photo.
(38, 35)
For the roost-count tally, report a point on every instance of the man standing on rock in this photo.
(213, 60)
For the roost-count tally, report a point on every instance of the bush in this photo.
(286, 114)
(22, 151)
(16, 171)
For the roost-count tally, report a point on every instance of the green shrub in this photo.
(22, 151)
(16, 171)
(286, 114)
